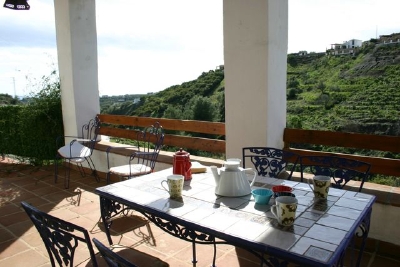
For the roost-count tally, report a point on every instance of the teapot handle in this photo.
(254, 177)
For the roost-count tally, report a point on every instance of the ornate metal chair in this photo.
(147, 146)
(272, 162)
(112, 259)
(79, 150)
(341, 170)
(60, 238)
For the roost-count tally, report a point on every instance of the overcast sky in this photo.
(141, 51)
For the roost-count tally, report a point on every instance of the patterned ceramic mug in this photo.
(285, 210)
(321, 186)
(175, 185)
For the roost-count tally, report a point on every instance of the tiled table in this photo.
(319, 237)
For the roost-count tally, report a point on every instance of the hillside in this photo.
(185, 101)
(347, 93)
(359, 93)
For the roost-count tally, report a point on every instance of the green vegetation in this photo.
(201, 99)
(346, 93)
(29, 130)
(6, 99)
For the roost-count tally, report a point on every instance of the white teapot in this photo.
(231, 180)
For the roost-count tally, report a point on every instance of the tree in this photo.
(201, 109)
(172, 113)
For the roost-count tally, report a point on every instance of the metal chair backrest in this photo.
(341, 170)
(149, 143)
(269, 161)
(60, 238)
(90, 132)
(112, 259)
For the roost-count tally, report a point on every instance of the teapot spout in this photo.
(217, 176)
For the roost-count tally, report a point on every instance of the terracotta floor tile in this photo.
(58, 197)
(9, 208)
(21, 228)
(11, 219)
(36, 201)
(164, 244)
(13, 194)
(64, 214)
(85, 207)
(42, 189)
(30, 258)
(26, 181)
(12, 247)
(232, 260)
(6, 235)
(90, 196)
(22, 195)
(33, 239)
(204, 253)
(177, 263)
(83, 222)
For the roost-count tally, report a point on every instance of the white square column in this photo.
(77, 62)
(255, 56)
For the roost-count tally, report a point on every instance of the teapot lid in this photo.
(181, 152)
(231, 165)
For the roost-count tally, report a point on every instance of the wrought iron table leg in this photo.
(106, 207)
(215, 253)
(364, 227)
(194, 260)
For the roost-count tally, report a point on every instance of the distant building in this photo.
(346, 48)
(302, 53)
(390, 38)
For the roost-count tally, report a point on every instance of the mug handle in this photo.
(273, 211)
(162, 184)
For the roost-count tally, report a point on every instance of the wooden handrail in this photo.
(385, 166)
(342, 139)
(111, 127)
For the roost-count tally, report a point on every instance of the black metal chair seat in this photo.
(78, 150)
(60, 238)
(272, 162)
(341, 170)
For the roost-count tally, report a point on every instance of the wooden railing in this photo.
(111, 126)
(384, 166)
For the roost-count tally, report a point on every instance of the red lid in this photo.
(181, 152)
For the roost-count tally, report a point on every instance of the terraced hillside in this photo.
(358, 93)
